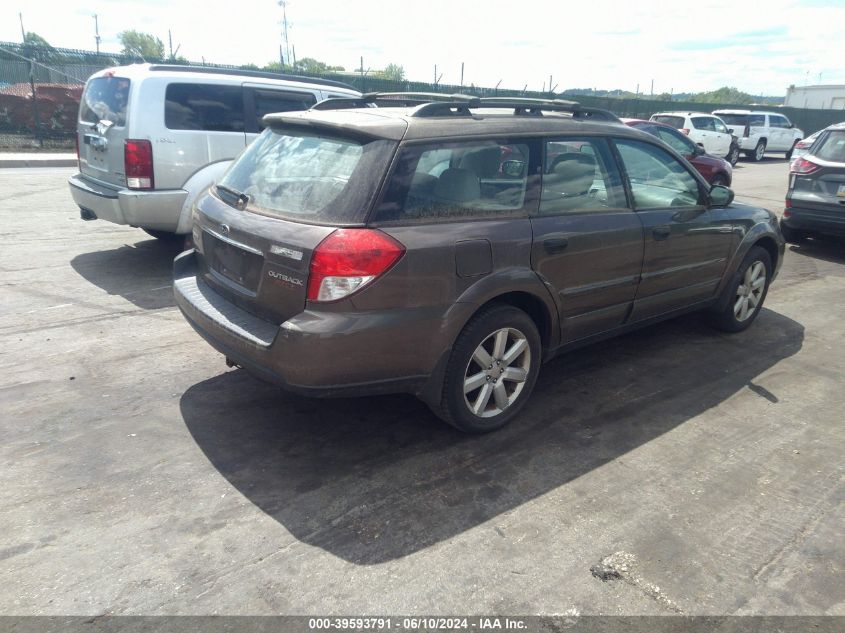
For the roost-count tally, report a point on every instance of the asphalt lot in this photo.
(141, 476)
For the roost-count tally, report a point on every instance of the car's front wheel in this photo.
(758, 152)
(491, 371)
(745, 293)
(733, 155)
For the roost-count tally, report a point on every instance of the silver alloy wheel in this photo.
(733, 156)
(759, 151)
(750, 291)
(496, 373)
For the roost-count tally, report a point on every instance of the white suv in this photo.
(760, 132)
(704, 129)
(151, 138)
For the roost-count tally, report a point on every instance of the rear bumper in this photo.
(157, 210)
(828, 219)
(316, 354)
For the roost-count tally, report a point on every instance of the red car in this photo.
(717, 171)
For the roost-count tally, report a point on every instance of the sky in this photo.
(760, 47)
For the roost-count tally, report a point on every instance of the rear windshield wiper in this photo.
(241, 199)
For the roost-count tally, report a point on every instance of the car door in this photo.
(686, 244)
(780, 135)
(723, 136)
(587, 241)
(706, 134)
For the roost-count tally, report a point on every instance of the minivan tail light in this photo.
(803, 166)
(349, 259)
(138, 163)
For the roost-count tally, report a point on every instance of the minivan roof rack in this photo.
(259, 74)
(432, 104)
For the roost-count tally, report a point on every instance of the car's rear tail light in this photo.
(684, 130)
(349, 259)
(802, 166)
(138, 163)
(747, 131)
(803, 144)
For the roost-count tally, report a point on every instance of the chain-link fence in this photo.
(40, 90)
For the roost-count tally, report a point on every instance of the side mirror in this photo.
(721, 196)
(699, 150)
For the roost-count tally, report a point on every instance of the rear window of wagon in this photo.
(310, 177)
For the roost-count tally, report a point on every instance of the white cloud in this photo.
(603, 43)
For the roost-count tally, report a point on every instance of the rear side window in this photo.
(319, 179)
(269, 101)
(105, 99)
(757, 120)
(676, 122)
(579, 175)
(204, 107)
(734, 119)
(457, 180)
(831, 147)
(778, 121)
(704, 123)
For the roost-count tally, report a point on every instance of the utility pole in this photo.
(281, 59)
(284, 5)
(97, 34)
(652, 88)
(294, 55)
(23, 33)
(170, 40)
(462, 76)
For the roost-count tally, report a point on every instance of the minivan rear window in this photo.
(105, 99)
(307, 176)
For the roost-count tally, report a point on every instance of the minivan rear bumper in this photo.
(157, 210)
(315, 354)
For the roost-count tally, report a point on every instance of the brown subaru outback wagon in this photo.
(446, 246)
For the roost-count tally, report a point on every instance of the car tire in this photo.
(791, 149)
(483, 389)
(791, 235)
(759, 152)
(164, 236)
(746, 292)
(733, 156)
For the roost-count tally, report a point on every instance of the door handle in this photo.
(661, 232)
(555, 245)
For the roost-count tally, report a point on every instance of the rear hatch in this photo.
(823, 189)
(257, 229)
(102, 129)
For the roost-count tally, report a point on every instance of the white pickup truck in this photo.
(760, 132)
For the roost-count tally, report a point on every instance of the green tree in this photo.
(725, 94)
(141, 45)
(311, 66)
(35, 40)
(392, 71)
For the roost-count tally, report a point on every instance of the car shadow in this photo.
(375, 479)
(141, 272)
(828, 249)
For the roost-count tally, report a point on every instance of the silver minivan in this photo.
(151, 138)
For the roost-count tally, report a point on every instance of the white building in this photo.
(816, 97)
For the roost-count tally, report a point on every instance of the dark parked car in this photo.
(447, 248)
(716, 171)
(815, 200)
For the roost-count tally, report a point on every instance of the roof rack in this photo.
(215, 70)
(431, 104)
